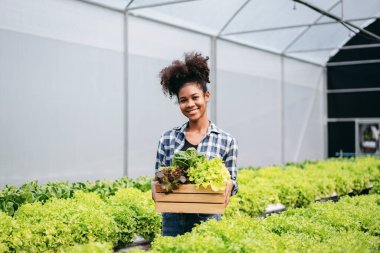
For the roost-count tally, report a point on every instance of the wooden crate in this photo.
(188, 199)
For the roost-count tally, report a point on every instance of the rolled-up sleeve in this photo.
(231, 163)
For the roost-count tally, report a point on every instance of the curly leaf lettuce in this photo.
(211, 173)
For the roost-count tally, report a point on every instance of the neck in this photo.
(200, 125)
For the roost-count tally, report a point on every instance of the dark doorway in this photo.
(353, 91)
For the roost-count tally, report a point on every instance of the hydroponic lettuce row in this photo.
(301, 186)
(295, 186)
(351, 225)
(84, 218)
(54, 223)
(12, 198)
(192, 167)
(91, 247)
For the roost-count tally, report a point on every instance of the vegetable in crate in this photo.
(211, 173)
(192, 167)
(188, 158)
(170, 177)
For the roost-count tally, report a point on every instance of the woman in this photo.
(187, 81)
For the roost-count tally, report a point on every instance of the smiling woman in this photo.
(187, 81)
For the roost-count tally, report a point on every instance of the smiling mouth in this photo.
(193, 110)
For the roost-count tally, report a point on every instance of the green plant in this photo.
(62, 222)
(7, 225)
(211, 173)
(191, 166)
(135, 214)
(170, 177)
(91, 247)
(301, 186)
(311, 229)
(188, 158)
(143, 183)
(12, 198)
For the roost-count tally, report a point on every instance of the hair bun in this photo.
(194, 69)
(197, 66)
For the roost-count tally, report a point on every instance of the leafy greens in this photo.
(192, 167)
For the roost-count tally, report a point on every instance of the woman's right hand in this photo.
(153, 191)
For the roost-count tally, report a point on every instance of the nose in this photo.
(190, 103)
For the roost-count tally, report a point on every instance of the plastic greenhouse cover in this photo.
(205, 16)
(280, 26)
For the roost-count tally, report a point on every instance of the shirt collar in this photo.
(211, 128)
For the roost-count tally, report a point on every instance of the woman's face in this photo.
(192, 101)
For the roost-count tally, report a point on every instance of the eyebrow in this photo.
(196, 93)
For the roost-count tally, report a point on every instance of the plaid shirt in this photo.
(216, 143)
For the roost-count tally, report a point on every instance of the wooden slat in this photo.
(168, 207)
(189, 197)
(188, 188)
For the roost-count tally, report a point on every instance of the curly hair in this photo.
(193, 69)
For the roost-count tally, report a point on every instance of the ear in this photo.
(207, 96)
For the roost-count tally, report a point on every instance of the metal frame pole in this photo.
(104, 6)
(352, 119)
(282, 105)
(213, 77)
(125, 97)
(325, 116)
(160, 4)
(353, 90)
(295, 26)
(232, 18)
(346, 63)
(353, 47)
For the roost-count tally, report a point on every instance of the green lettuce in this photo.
(211, 173)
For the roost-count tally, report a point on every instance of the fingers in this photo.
(154, 192)
(228, 192)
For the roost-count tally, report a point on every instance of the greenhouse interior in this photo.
(82, 113)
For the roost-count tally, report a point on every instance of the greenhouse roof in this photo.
(312, 30)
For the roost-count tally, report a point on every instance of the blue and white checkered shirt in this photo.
(216, 143)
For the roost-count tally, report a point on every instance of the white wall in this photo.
(303, 111)
(61, 91)
(249, 102)
(249, 105)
